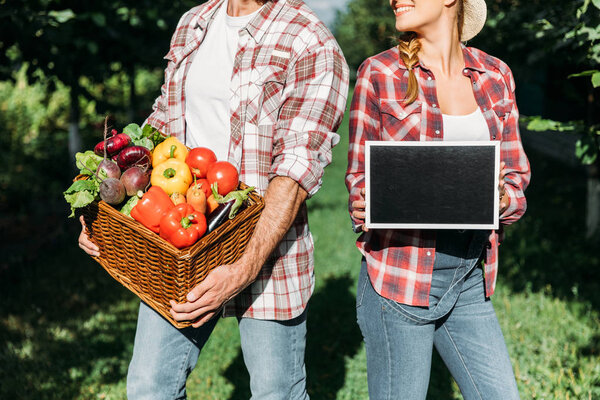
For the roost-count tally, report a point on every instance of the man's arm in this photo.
(282, 202)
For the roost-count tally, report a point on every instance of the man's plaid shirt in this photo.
(400, 262)
(288, 94)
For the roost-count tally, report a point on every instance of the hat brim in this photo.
(475, 14)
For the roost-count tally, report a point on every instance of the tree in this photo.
(70, 40)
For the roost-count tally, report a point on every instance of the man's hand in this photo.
(206, 299)
(282, 202)
(85, 243)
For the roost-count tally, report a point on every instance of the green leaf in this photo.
(99, 19)
(145, 142)
(87, 162)
(133, 131)
(78, 200)
(596, 78)
(596, 3)
(584, 73)
(586, 150)
(153, 134)
(90, 185)
(62, 16)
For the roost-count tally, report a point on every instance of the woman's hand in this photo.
(358, 210)
(85, 243)
(504, 199)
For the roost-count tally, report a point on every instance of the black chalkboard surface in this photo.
(432, 185)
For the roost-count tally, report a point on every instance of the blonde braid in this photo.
(409, 47)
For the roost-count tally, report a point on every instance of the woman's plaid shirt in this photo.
(400, 262)
(288, 94)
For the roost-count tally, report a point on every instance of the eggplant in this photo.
(218, 216)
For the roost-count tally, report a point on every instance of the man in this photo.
(264, 84)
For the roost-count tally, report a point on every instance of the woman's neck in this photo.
(441, 51)
(239, 8)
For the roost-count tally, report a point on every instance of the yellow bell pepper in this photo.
(172, 176)
(170, 148)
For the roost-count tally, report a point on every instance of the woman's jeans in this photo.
(460, 322)
(164, 356)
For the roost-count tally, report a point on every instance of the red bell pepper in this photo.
(182, 226)
(151, 207)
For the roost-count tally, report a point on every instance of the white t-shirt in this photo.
(465, 127)
(207, 85)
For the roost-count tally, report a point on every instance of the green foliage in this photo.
(366, 28)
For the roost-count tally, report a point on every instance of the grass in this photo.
(67, 329)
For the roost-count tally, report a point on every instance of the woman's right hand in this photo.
(358, 210)
(85, 243)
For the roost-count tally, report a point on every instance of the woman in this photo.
(423, 288)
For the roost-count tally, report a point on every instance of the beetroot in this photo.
(113, 145)
(135, 179)
(110, 168)
(112, 191)
(137, 156)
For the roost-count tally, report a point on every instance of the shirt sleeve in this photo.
(517, 164)
(158, 117)
(311, 113)
(364, 125)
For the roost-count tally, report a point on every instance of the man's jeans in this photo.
(460, 322)
(163, 357)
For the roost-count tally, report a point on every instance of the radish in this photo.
(112, 191)
(110, 168)
(135, 179)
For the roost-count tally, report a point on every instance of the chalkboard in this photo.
(432, 185)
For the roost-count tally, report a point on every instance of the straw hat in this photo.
(475, 12)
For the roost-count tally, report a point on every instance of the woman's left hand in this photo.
(504, 200)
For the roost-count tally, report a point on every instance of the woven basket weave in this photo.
(155, 270)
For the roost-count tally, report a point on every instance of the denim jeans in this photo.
(164, 356)
(460, 322)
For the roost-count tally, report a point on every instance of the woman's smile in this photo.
(400, 9)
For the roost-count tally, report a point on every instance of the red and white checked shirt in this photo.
(400, 262)
(288, 94)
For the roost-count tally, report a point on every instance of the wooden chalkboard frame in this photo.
(489, 152)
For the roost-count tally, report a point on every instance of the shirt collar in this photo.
(471, 62)
(256, 28)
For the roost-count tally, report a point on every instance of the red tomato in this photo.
(226, 176)
(204, 185)
(199, 160)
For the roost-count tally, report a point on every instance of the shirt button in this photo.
(428, 78)
(437, 132)
(428, 253)
(434, 105)
(465, 70)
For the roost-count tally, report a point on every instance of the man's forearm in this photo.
(282, 201)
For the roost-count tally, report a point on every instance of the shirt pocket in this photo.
(270, 83)
(400, 122)
(502, 110)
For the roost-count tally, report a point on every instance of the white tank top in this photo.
(465, 127)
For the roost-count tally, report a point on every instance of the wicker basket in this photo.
(155, 270)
